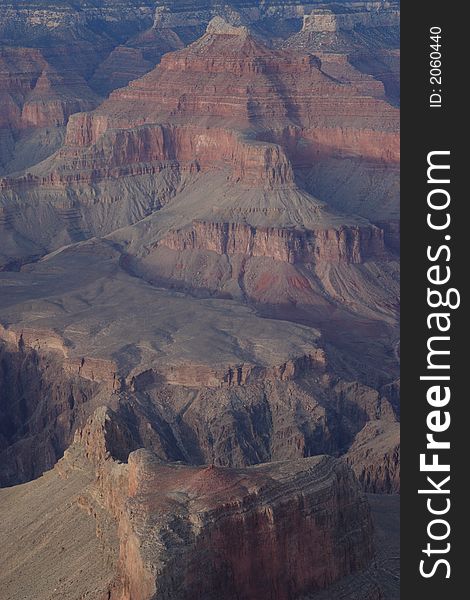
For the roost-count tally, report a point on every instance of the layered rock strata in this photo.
(346, 245)
(375, 457)
(34, 94)
(195, 311)
(234, 423)
(376, 14)
(367, 38)
(264, 87)
(227, 104)
(242, 525)
(40, 408)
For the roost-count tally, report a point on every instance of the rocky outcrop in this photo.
(264, 84)
(41, 405)
(384, 65)
(272, 265)
(210, 532)
(375, 457)
(226, 104)
(230, 309)
(345, 245)
(146, 148)
(106, 373)
(93, 511)
(377, 14)
(306, 146)
(366, 37)
(233, 78)
(54, 98)
(48, 342)
(244, 374)
(34, 94)
(36, 20)
(133, 59)
(59, 542)
(240, 416)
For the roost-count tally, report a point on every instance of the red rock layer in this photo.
(239, 375)
(304, 146)
(279, 530)
(237, 78)
(138, 56)
(226, 101)
(191, 146)
(352, 244)
(34, 94)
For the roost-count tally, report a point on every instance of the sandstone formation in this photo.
(151, 525)
(35, 98)
(250, 521)
(265, 241)
(366, 38)
(375, 457)
(34, 94)
(199, 292)
(202, 380)
(243, 82)
(133, 59)
(348, 245)
(262, 125)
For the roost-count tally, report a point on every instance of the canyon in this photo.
(199, 300)
(155, 543)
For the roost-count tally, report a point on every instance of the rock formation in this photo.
(375, 457)
(199, 288)
(365, 39)
(253, 524)
(103, 498)
(277, 113)
(36, 98)
(202, 381)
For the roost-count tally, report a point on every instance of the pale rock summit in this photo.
(220, 26)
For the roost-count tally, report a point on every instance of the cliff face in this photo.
(366, 39)
(378, 14)
(227, 104)
(375, 458)
(104, 518)
(41, 407)
(38, 18)
(215, 185)
(103, 47)
(37, 100)
(230, 76)
(235, 77)
(47, 62)
(151, 148)
(218, 242)
(240, 416)
(34, 94)
(222, 533)
(346, 245)
(265, 264)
